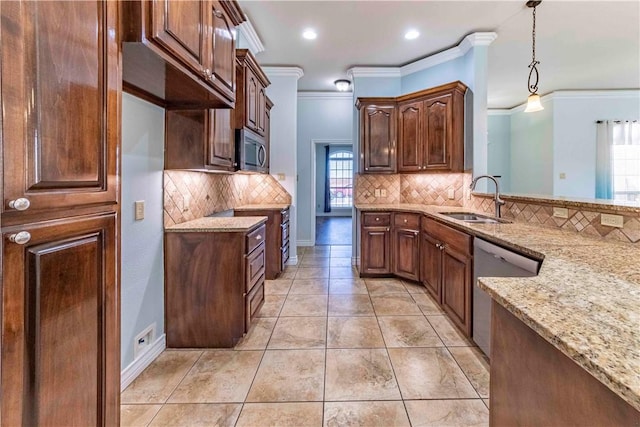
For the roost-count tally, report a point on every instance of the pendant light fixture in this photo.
(533, 102)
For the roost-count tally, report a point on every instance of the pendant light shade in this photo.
(533, 102)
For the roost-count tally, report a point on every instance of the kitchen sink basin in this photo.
(473, 218)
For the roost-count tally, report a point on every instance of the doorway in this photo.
(333, 193)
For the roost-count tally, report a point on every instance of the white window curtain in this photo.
(617, 159)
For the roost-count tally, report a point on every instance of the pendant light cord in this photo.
(533, 34)
(533, 73)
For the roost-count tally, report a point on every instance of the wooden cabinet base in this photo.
(534, 384)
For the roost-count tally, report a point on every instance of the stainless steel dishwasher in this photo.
(490, 260)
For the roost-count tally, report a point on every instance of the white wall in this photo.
(532, 151)
(142, 274)
(499, 149)
(321, 116)
(283, 91)
(574, 137)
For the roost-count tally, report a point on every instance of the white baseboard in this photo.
(306, 243)
(355, 260)
(293, 260)
(136, 367)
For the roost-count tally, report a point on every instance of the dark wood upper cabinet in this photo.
(178, 27)
(60, 102)
(438, 133)
(223, 48)
(377, 135)
(430, 127)
(199, 140)
(251, 99)
(410, 136)
(181, 54)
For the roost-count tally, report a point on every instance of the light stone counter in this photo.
(271, 206)
(218, 224)
(585, 301)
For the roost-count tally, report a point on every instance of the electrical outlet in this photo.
(281, 177)
(376, 192)
(561, 212)
(563, 175)
(612, 220)
(383, 192)
(143, 340)
(451, 194)
(139, 210)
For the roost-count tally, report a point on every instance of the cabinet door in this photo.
(223, 50)
(431, 266)
(220, 145)
(252, 86)
(180, 28)
(406, 254)
(267, 135)
(378, 138)
(410, 138)
(60, 325)
(261, 110)
(375, 254)
(60, 102)
(456, 288)
(438, 121)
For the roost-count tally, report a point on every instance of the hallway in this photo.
(334, 230)
(330, 349)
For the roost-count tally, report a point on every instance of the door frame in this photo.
(314, 145)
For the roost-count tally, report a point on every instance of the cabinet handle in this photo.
(405, 221)
(217, 13)
(388, 229)
(20, 238)
(258, 237)
(366, 169)
(21, 204)
(377, 219)
(415, 233)
(206, 72)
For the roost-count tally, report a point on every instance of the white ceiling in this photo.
(581, 45)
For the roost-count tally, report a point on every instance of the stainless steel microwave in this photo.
(251, 151)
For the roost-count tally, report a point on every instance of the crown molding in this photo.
(499, 112)
(373, 72)
(254, 44)
(325, 95)
(472, 40)
(296, 72)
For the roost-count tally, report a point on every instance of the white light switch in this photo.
(563, 175)
(383, 192)
(451, 194)
(376, 192)
(139, 210)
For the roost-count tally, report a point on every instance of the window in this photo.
(341, 179)
(625, 161)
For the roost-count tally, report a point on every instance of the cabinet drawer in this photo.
(376, 218)
(451, 237)
(285, 233)
(285, 256)
(255, 267)
(407, 220)
(285, 215)
(255, 237)
(253, 302)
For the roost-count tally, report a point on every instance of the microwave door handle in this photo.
(262, 155)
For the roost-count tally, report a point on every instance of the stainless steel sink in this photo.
(473, 218)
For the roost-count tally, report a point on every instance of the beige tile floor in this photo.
(329, 349)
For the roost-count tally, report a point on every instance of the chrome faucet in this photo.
(498, 201)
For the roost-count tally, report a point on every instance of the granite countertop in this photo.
(270, 206)
(218, 224)
(585, 300)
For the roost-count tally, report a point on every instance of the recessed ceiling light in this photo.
(309, 34)
(411, 34)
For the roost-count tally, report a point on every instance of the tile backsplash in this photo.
(192, 195)
(581, 220)
(428, 189)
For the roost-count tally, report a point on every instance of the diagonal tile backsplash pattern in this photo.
(191, 195)
(427, 189)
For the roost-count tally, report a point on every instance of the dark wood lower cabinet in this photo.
(406, 251)
(534, 384)
(61, 323)
(213, 286)
(456, 288)
(277, 237)
(431, 260)
(375, 252)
